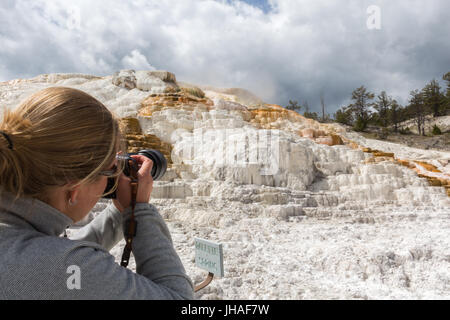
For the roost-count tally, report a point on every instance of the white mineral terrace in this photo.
(297, 219)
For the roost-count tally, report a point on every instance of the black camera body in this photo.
(158, 170)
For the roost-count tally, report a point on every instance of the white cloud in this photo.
(137, 61)
(293, 52)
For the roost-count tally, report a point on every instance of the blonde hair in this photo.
(59, 135)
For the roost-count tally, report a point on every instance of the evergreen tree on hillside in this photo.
(395, 116)
(417, 106)
(433, 99)
(446, 77)
(360, 107)
(344, 116)
(382, 105)
(310, 115)
(293, 105)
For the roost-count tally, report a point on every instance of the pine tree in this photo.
(360, 108)
(446, 77)
(417, 105)
(310, 115)
(344, 116)
(433, 99)
(382, 105)
(293, 105)
(395, 114)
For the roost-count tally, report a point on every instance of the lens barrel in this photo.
(159, 162)
(158, 170)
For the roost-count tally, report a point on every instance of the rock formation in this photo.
(136, 140)
(282, 192)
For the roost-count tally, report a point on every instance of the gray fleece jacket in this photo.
(37, 263)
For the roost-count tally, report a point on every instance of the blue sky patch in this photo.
(261, 4)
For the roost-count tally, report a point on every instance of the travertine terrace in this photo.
(304, 210)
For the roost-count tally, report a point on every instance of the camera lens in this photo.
(158, 170)
(159, 162)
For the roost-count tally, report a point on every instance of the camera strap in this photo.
(131, 225)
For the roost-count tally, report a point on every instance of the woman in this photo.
(57, 151)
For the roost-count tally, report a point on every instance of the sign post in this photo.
(208, 256)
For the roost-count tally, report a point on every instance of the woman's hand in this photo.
(145, 184)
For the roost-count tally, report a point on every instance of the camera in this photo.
(158, 170)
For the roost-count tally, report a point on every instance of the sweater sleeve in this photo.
(159, 271)
(105, 229)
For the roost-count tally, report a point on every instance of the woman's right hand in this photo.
(145, 184)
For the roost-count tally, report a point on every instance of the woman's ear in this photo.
(73, 195)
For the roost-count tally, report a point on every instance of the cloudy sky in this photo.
(278, 49)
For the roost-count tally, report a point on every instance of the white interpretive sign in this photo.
(209, 256)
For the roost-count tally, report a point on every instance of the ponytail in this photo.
(58, 135)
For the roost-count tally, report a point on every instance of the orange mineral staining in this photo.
(136, 140)
(182, 100)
